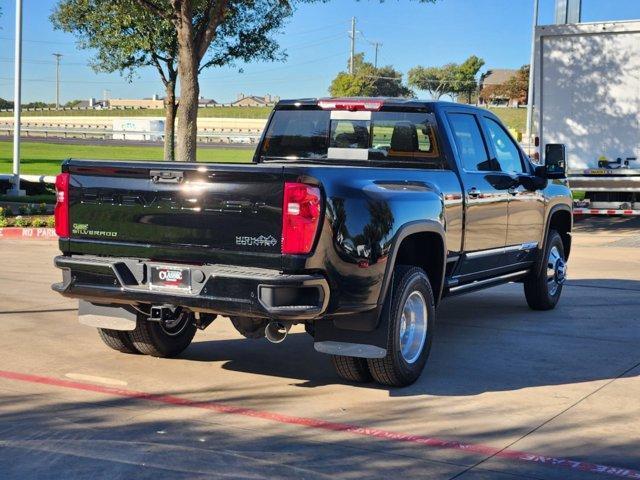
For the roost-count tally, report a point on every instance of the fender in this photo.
(341, 337)
(543, 246)
(419, 226)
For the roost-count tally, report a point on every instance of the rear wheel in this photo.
(411, 324)
(543, 290)
(164, 339)
(352, 369)
(117, 340)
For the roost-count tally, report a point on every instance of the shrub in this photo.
(38, 222)
(24, 209)
(3, 213)
(42, 208)
(3, 222)
(51, 221)
(20, 222)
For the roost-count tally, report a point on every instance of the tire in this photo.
(117, 340)
(411, 296)
(158, 340)
(543, 289)
(352, 369)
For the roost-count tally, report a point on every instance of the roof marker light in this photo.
(351, 105)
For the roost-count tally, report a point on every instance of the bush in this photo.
(24, 209)
(3, 222)
(3, 213)
(51, 221)
(38, 222)
(42, 208)
(20, 222)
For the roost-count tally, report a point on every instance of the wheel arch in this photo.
(421, 244)
(560, 218)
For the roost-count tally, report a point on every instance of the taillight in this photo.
(300, 217)
(61, 212)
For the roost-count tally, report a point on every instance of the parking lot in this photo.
(508, 392)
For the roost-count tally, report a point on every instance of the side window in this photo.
(507, 152)
(471, 147)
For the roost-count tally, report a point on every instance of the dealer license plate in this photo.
(169, 277)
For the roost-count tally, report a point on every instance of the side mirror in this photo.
(555, 160)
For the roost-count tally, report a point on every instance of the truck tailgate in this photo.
(203, 208)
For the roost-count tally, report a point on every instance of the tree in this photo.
(515, 88)
(466, 76)
(369, 81)
(6, 104)
(126, 38)
(450, 79)
(215, 33)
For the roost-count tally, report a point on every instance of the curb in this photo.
(17, 233)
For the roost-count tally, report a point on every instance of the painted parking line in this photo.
(311, 423)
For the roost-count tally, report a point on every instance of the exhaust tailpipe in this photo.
(276, 332)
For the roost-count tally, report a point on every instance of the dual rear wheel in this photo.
(412, 315)
(411, 322)
(159, 339)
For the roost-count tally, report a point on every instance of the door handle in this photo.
(474, 192)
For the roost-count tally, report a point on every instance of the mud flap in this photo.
(106, 316)
(333, 338)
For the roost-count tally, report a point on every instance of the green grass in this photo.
(209, 112)
(44, 158)
(512, 117)
(37, 199)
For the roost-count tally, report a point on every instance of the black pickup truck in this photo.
(356, 218)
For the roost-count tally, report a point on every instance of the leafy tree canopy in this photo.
(450, 79)
(369, 81)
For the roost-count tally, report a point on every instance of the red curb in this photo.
(17, 233)
(315, 424)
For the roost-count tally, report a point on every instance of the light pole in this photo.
(532, 76)
(58, 57)
(17, 104)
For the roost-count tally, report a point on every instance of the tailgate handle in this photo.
(166, 176)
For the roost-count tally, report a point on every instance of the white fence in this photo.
(248, 137)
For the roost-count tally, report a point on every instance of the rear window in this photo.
(362, 135)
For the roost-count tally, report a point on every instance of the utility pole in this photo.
(58, 57)
(17, 102)
(532, 76)
(352, 36)
(376, 45)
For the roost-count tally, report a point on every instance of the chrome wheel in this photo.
(556, 270)
(413, 326)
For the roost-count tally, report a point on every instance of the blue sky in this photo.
(316, 41)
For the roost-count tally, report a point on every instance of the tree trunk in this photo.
(189, 92)
(169, 121)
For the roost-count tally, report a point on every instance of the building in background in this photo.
(494, 89)
(255, 101)
(153, 102)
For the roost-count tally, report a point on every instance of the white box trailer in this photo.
(587, 96)
(138, 129)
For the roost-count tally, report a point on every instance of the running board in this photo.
(488, 282)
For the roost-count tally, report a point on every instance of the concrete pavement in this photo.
(501, 378)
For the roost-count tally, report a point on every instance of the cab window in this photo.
(507, 152)
(471, 148)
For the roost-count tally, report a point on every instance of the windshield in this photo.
(343, 135)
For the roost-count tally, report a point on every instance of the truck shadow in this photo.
(485, 342)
